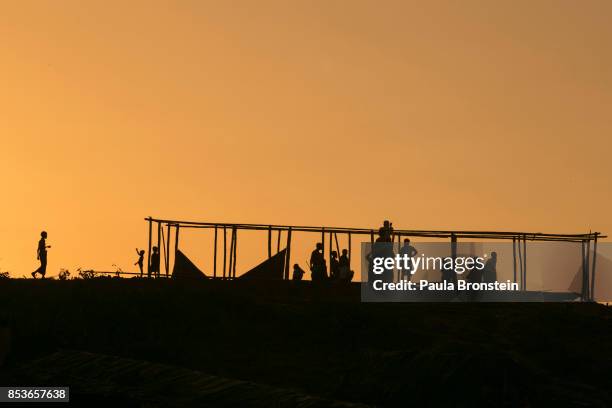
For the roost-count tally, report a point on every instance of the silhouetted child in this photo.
(140, 261)
(298, 273)
(154, 265)
(334, 266)
(41, 255)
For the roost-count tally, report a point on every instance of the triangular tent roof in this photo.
(184, 268)
(271, 269)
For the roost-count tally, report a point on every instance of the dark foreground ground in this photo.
(160, 343)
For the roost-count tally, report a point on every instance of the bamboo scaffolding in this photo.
(229, 268)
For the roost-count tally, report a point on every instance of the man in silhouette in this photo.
(41, 255)
(154, 264)
(140, 261)
(409, 251)
(385, 233)
(489, 273)
(318, 267)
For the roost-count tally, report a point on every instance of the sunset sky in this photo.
(434, 114)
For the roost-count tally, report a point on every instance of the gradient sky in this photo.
(434, 114)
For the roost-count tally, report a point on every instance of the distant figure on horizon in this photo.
(140, 261)
(298, 273)
(489, 273)
(334, 266)
(318, 267)
(154, 263)
(41, 255)
(410, 251)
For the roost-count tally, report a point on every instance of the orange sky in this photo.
(434, 114)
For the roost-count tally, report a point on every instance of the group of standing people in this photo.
(339, 267)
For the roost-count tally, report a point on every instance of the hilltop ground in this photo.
(321, 341)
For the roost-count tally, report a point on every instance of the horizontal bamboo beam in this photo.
(530, 236)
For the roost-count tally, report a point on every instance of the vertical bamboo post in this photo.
(454, 257)
(583, 251)
(349, 250)
(323, 240)
(525, 262)
(168, 251)
(288, 254)
(231, 255)
(593, 268)
(330, 254)
(176, 241)
(278, 239)
(235, 252)
(158, 267)
(514, 257)
(215, 255)
(163, 247)
(520, 258)
(588, 274)
(269, 242)
(399, 246)
(337, 245)
(149, 250)
(224, 250)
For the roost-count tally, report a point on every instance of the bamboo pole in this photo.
(329, 270)
(231, 254)
(520, 257)
(176, 242)
(163, 237)
(337, 246)
(224, 251)
(278, 240)
(588, 274)
(525, 261)
(158, 267)
(323, 240)
(215, 256)
(514, 257)
(235, 252)
(593, 268)
(149, 250)
(269, 242)
(168, 251)
(454, 257)
(349, 250)
(583, 251)
(288, 255)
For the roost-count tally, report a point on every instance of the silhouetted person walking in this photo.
(298, 273)
(154, 264)
(41, 255)
(140, 261)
